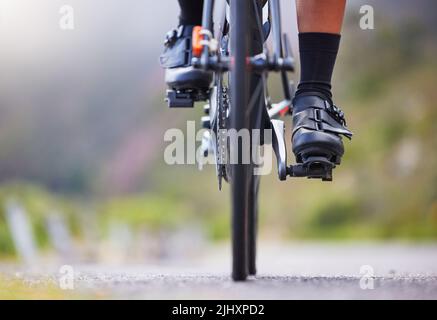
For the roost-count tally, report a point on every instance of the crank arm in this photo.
(313, 168)
(279, 147)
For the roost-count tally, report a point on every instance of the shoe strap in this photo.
(178, 51)
(325, 119)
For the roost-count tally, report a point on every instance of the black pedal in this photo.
(177, 99)
(313, 168)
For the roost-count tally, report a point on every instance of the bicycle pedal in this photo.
(185, 98)
(313, 168)
(178, 99)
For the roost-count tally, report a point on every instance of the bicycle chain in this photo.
(222, 141)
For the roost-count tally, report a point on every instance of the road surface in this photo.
(286, 271)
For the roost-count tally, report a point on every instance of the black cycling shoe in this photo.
(186, 83)
(318, 127)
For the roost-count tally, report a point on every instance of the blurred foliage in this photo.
(144, 211)
(38, 204)
(386, 187)
(151, 212)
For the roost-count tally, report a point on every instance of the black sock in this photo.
(191, 12)
(318, 52)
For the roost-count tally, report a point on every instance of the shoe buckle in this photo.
(336, 112)
(170, 37)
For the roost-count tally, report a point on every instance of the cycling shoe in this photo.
(176, 59)
(318, 127)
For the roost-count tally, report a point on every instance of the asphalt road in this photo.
(286, 271)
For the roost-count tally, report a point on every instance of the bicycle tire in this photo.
(253, 225)
(244, 185)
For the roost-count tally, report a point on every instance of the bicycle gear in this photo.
(221, 134)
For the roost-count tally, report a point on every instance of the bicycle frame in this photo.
(279, 61)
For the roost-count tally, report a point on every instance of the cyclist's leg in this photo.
(320, 23)
(320, 15)
(191, 12)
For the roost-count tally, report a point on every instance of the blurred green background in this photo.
(82, 121)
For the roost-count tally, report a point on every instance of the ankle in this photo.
(312, 92)
(318, 52)
(318, 89)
